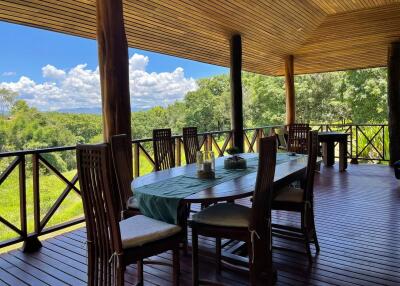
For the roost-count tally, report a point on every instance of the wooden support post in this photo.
(32, 243)
(114, 69)
(236, 92)
(394, 101)
(290, 93)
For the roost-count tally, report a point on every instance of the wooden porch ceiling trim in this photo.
(322, 35)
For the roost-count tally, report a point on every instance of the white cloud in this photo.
(80, 86)
(8, 73)
(50, 71)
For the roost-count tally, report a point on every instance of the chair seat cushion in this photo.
(132, 203)
(289, 194)
(226, 214)
(139, 230)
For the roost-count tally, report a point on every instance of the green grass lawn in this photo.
(50, 189)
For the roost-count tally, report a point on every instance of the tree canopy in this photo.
(340, 97)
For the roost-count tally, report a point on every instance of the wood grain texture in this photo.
(289, 90)
(322, 35)
(114, 69)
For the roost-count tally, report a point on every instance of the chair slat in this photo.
(190, 144)
(163, 149)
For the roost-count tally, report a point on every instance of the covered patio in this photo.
(356, 211)
(357, 220)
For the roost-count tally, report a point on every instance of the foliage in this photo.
(7, 99)
(352, 96)
(339, 97)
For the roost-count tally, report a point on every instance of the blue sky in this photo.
(40, 64)
(26, 50)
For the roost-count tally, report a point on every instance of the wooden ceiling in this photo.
(322, 35)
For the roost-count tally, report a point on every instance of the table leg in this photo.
(342, 155)
(328, 153)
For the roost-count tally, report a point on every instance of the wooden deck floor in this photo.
(358, 224)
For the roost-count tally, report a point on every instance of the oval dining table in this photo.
(237, 188)
(234, 189)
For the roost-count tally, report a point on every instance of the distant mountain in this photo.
(90, 110)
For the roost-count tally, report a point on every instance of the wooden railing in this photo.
(366, 142)
(217, 141)
(37, 159)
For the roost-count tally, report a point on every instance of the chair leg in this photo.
(195, 257)
(139, 273)
(176, 269)
(119, 279)
(218, 254)
(252, 270)
(91, 267)
(305, 231)
(315, 238)
(307, 245)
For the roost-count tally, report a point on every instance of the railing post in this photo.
(259, 136)
(209, 142)
(177, 151)
(355, 160)
(136, 160)
(230, 144)
(22, 196)
(32, 243)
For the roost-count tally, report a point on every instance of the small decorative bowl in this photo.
(206, 175)
(235, 162)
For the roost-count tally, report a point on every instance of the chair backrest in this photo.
(262, 196)
(103, 234)
(280, 134)
(298, 138)
(163, 149)
(190, 144)
(122, 161)
(311, 165)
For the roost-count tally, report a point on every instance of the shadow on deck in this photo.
(358, 225)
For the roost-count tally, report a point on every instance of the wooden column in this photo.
(394, 101)
(290, 94)
(236, 92)
(114, 68)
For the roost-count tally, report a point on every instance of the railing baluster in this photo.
(36, 192)
(136, 160)
(22, 196)
(177, 151)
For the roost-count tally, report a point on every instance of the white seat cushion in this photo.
(289, 194)
(139, 230)
(132, 203)
(226, 214)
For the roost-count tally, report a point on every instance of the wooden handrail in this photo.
(219, 141)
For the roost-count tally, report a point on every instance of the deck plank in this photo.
(358, 226)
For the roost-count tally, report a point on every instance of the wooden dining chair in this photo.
(190, 144)
(280, 134)
(114, 244)
(237, 222)
(163, 149)
(122, 162)
(298, 138)
(300, 200)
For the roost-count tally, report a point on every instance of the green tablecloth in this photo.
(161, 200)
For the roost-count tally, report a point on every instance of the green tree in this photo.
(7, 99)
